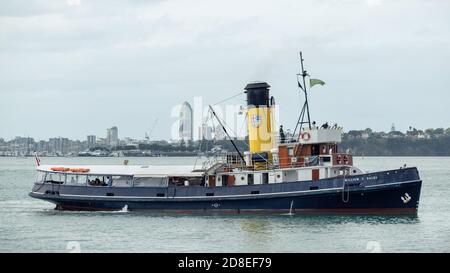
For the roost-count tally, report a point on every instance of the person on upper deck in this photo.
(282, 135)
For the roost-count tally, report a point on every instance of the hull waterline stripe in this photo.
(213, 211)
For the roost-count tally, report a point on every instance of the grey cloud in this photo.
(126, 62)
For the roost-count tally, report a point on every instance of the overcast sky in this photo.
(75, 67)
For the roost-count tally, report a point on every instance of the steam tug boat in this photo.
(302, 172)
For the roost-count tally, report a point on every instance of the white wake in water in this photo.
(123, 210)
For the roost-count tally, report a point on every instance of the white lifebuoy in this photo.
(306, 136)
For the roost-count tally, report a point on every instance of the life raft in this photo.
(60, 169)
(74, 170)
(79, 170)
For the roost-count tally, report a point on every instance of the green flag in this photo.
(313, 82)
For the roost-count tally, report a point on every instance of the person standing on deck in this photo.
(282, 136)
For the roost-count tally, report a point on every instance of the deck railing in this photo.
(335, 159)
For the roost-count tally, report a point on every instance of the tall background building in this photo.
(112, 136)
(205, 132)
(58, 145)
(91, 141)
(185, 131)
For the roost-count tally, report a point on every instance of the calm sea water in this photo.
(28, 225)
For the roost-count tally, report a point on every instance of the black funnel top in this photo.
(257, 94)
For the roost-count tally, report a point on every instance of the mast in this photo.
(304, 117)
(225, 130)
(304, 74)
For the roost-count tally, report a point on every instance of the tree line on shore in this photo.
(430, 142)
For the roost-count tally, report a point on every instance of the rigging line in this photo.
(205, 122)
(232, 130)
(299, 120)
(227, 99)
(213, 124)
(209, 118)
(245, 143)
(304, 74)
(300, 117)
(225, 130)
(202, 140)
(227, 126)
(224, 124)
(243, 123)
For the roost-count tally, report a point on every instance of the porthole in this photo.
(242, 178)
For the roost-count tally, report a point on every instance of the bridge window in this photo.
(122, 181)
(98, 180)
(55, 178)
(150, 182)
(40, 177)
(75, 179)
(180, 181)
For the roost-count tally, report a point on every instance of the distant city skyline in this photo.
(208, 133)
(425, 142)
(72, 70)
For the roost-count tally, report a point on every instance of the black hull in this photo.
(363, 197)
